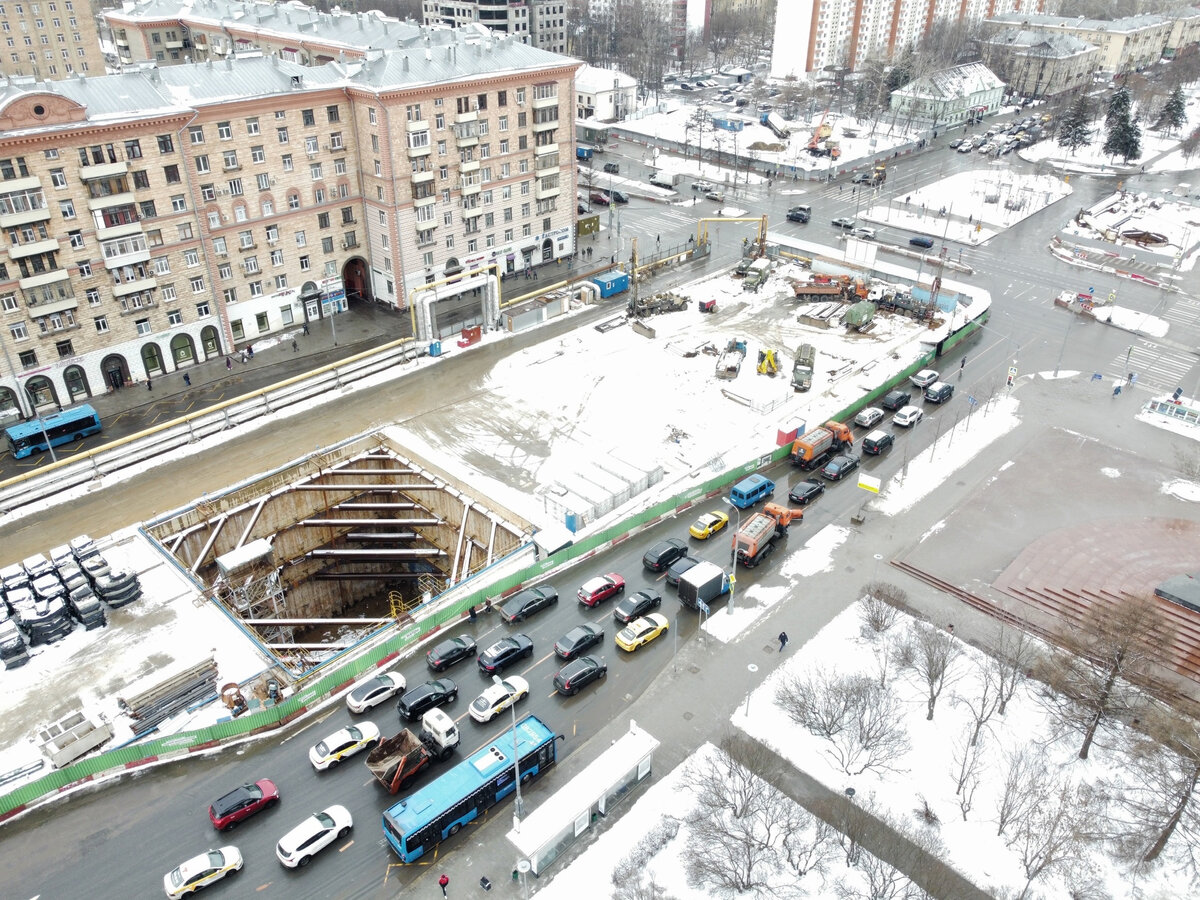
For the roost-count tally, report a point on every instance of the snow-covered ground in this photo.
(923, 771)
(968, 207)
(1136, 224)
(1093, 160)
(856, 139)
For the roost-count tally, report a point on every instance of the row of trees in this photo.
(1122, 129)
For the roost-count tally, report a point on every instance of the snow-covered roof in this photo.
(594, 80)
(1126, 25)
(960, 81)
(1036, 42)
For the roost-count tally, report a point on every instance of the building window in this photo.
(101, 323)
(171, 173)
(85, 268)
(174, 317)
(76, 239)
(252, 125)
(307, 116)
(256, 289)
(224, 131)
(229, 295)
(197, 284)
(143, 326)
(262, 322)
(201, 310)
(167, 292)
(305, 263)
(179, 203)
(258, 154)
(66, 208)
(166, 143)
(301, 239)
(282, 134)
(333, 114)
(196, 133)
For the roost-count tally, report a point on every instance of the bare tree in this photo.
(1024, 784)
(1089, 679)
(878, 880)
(810, 850)
(1164, 764)
(880, 605)
(1051, 839)
(982, 704)
(1009, 665)
(630, 879)
(933, 656)
(741, 820)
(967, 768)
(859, 716)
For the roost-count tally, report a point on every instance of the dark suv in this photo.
(894, 400)
(448, 652)
(661, 555)
(424, 697)
(505, 652)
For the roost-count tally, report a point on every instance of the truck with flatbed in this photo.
(397, 760)
(802, 368)
(814, 449)
(756, 538)
(702, 583)
(729, 363)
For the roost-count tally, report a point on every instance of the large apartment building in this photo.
(49, 39)
(813, 35)
(542, 23)
(160, 217)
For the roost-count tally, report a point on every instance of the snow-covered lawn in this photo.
(968, 207)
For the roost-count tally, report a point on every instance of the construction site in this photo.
(312, 557)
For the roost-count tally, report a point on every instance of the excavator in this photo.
(767, 363)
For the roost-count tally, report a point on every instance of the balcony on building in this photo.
(23, 207)
(545, 193)
(422, 177)
(41, 279)
(20, 251)
(109, 168)
(125, 288)
(544, 95)
(469, 167)
(471, 183)
(464, 118)
(46, 302)
(125, 252)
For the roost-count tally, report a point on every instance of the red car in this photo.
(600, 588)
(241, 803)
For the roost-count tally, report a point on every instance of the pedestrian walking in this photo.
(305, 328)
(1132, 378)
(149, 384)
(1117, 391)
(228, 363)
(250, 352)
(187, 380)
(295, 346)
(242, 357)
(962, 365)
(783, 639)
(443, 882)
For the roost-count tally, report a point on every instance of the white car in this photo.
(703, 186)
(201, 871)
(374, 691)
(863, 233)
(908, 416)
(345, 742)
(924, 378)
(869, 416)
(499, 697)
(318, 831)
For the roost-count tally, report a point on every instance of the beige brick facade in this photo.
(147, 239)
(49, 39)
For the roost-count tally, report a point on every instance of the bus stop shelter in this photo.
(555, 825)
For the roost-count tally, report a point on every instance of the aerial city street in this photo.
(600, 455)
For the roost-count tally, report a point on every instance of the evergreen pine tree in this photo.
(1074, 131)
(1119, 105)
(1124, 139)
(1174, 114)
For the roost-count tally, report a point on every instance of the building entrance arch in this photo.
(116, 371)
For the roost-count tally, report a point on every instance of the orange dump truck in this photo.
(816, 447)
(756, 538)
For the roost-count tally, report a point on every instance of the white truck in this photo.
(702, 583)
(664, 179)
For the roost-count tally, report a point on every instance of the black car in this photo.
(612, 168)
(577, 640)
(618, 196)
(797, 215)
(505, 652)
(635, 606)
(581, 207)
(804, 492)
(450, 651)
(677, 568)
(424, 697)
(525, 603)
(893, 400)
(840, 466)
(662, 554)
(878, 442)
(575, 676)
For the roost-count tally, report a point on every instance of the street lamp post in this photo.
(512, 708)
(733, 549)
(41, 421)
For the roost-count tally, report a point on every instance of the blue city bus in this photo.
(61, 427)
(423, 819)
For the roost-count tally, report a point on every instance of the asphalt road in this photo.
(118, 841)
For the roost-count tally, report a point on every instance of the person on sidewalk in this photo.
(305, 332)
(250, 352)
(228, 363)
(149, 384)
(295, 346)
(187, 380)
(783, 639)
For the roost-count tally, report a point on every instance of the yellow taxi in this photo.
(641, 631)
(708, 525)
